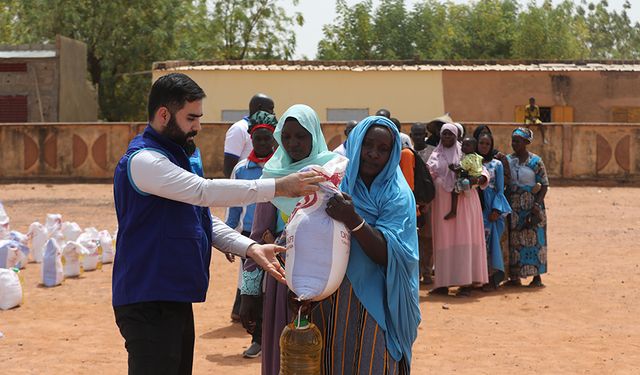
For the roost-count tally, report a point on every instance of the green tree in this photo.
(125, 37)
(351, 37)
(490, 29)
(483, 29)
(390, 26)
(256, 29)
(610, 34)
(549, 32)
(430, 30)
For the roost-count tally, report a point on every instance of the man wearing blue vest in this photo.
(166, 232)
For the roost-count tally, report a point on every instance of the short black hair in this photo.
(396, 122)
(384, 113)
(419, 126)
(173, 91)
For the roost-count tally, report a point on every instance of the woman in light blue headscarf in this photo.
(301, 144)
(369, 324)
(301, 122)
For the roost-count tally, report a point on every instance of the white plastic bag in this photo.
(23, 245)
(4, 222)
(10, 254)
(89, 234)
(53, 222)
(38, 236)
(72, 256)
(91, 241)
(317, 245)
(52, 270)
(92, 261)
(70, 231)
(108, 250)
(10, 289)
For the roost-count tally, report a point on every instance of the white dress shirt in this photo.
(237, 140)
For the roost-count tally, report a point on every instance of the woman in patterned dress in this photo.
(528, 227)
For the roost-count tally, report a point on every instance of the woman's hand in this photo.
(494, 215)
(340, 207)
(477, 180)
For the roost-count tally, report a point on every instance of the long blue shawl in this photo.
(389, 294)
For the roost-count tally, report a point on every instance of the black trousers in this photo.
(159, 337)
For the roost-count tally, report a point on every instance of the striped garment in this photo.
(353, 342)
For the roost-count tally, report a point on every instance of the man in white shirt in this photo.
(342, 149)
(237, 142)
(166, 232)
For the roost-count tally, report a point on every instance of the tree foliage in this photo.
(125, 37)
(483, 29)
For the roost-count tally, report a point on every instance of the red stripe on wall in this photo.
(13, 108)
(13, 67)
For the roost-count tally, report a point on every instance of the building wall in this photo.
(409, 95)
(90, 151)
(493, 96)
(39, 83)
(78, 98)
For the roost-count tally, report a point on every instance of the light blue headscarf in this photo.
(389, 294)
(281, 164)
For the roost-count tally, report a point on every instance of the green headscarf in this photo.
(281, 164)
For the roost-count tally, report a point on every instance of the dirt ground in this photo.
(586, 321)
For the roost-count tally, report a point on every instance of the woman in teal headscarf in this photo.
(369, 325)
(302, 144)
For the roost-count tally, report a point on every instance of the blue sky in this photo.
(320, 12)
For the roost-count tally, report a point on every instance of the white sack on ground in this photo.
(4, 222)
(73, 254)
(52, 271)
(70, 231)
(10, 254)
(10, 289)
(108, 250)
(23, 245)
(38, 235)
(93, 260)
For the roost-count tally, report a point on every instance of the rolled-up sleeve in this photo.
(151, 172)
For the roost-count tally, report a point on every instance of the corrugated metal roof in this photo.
(17, 54)
(360, 66)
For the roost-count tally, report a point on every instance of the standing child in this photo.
(470, 166)
(261, 127)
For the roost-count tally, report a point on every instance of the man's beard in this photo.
(174, 133)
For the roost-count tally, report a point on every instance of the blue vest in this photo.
(163, 246)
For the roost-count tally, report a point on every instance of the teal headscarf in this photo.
(390, 294)
(281, 164)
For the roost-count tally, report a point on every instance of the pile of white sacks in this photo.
(62, 249)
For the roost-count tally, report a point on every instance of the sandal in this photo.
(536, 283)
(489, 287)
(464, 291)
(443, 290)
(514, 282)
(426, 280)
